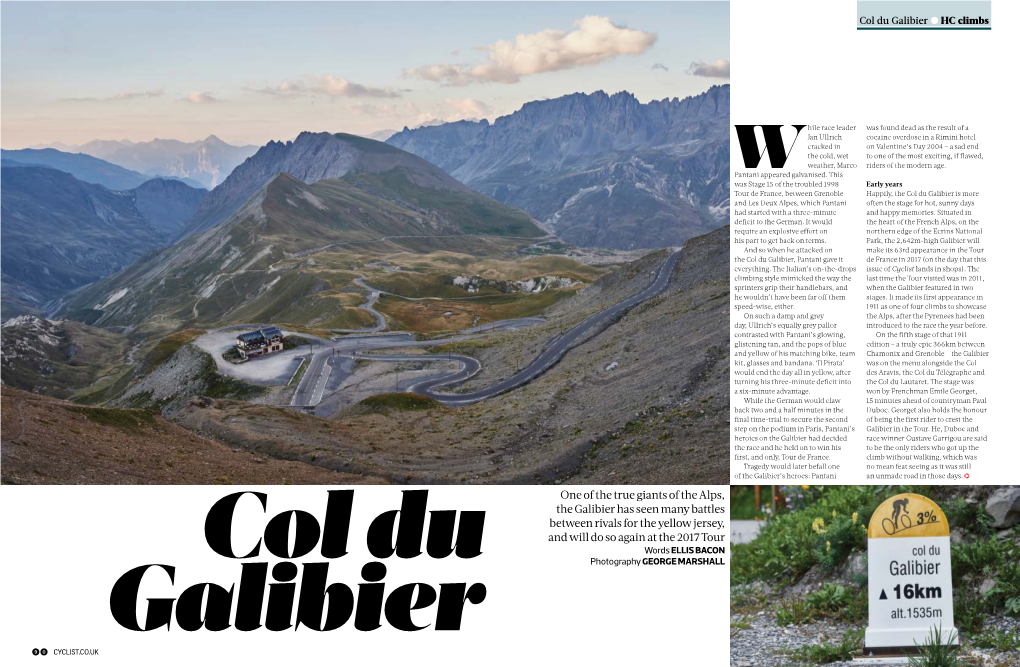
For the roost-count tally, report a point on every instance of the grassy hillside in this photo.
(475, 213)
(426, 284)
(645, 401)
(58, 358)
(448, 315)
(265, 262)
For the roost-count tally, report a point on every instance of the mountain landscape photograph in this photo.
(331, 243)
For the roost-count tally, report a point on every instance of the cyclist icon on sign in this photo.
(900, 519)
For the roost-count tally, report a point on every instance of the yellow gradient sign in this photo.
(908, 515)
(910, 582)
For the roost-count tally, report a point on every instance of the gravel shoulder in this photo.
(766, 644)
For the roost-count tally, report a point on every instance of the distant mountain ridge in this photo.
(598, 169)
(60, 233)
(207, 162)
(258, 264)
(312, 157)
(83, 167)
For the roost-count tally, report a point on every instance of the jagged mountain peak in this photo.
(599, 168)
(312, 157)
(204, 162)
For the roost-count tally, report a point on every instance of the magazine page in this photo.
(874, 512)
(556, 332)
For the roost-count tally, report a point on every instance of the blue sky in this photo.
(251, 71)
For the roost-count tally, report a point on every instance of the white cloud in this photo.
(201, 98)
(134, 95)
(595, 39)
(467, 107)
(719, 69)
(324, 86)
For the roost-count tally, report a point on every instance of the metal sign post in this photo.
(910, 585)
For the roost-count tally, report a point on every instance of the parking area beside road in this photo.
(272, 369)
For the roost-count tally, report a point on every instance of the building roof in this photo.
(251, 337)
(270, 332)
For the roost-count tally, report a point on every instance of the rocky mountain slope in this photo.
(57, 357)
(258, 263)
(310, 158)
(207, 162)
(598, 170)
(60, 233)
(48, 441)
(621, 407)
(83, 167)
(167, 203)
(644, 401)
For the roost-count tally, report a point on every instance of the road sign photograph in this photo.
(874, 575)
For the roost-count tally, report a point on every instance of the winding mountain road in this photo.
(301, 254)
(380, 320)
(552, 354)
(314, 382)
(329, 366)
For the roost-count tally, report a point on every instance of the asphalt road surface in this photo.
(328, 368)
(469, 366)
(380, 321)
(504, 325)
(313, 383)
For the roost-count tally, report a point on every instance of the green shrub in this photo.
(836, 541)
(792, 610)
(742, 505)
(831, 601)
(839, 601)
(789, 544)
(988, 558)
(233, 355)
(999, 640)
(737, 626)
(291, 342)
(400, 401)
(970, 610)
(982, 556)
(936, 652)
(971, 517)
(1007, 585)
(819, 654)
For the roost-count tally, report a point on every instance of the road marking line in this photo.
(329, 369)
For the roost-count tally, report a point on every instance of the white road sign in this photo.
(910, 587)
